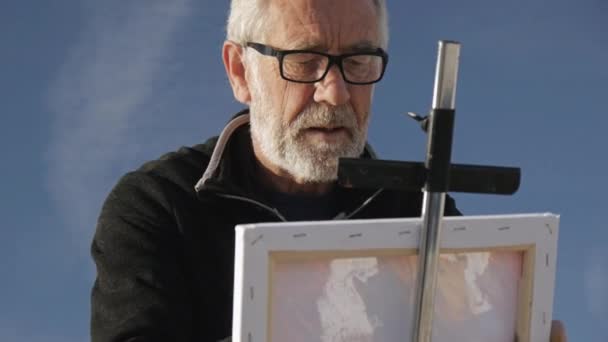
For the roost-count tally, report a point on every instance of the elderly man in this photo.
(164, 243)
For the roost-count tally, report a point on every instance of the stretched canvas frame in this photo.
(260, 247)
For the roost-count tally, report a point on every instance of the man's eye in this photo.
(308, 62)
(353, 62)
(358, 60)
(304, 59)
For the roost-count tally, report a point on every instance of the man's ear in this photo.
(232, 54)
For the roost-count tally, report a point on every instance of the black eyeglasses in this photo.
(303, 66)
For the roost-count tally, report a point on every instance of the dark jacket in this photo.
(165, 251)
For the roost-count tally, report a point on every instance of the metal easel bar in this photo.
(437, 163)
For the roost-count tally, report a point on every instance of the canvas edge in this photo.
(251, 265)
(544, 280)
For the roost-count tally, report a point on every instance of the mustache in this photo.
(317, 115)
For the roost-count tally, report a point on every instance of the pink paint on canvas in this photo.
(370, 298)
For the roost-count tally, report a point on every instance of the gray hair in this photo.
(245, 21)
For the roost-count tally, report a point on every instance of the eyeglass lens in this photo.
(311, 67)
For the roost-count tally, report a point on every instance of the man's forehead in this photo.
(324, 24)
(315, 45)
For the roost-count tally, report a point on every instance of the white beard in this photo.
(286, 145)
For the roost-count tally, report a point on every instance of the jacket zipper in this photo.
(267, 208)
(364, 204)
(275, 212)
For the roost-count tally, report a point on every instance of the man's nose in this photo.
(332, 90)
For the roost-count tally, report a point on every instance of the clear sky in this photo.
(91, 89)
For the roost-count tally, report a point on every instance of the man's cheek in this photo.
(361, 105)
(295, 101)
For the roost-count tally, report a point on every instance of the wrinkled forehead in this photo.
(325, 25)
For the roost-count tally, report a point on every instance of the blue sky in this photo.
(91, 89)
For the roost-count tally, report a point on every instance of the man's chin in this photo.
(323, 147)
(323, 155)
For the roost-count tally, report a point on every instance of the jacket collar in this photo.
(229, 169)
(237, 122)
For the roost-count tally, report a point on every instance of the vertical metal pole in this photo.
(444, 99)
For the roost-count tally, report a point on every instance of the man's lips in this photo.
(327, 129)
(328, 133)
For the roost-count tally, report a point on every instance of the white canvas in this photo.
(355, 280)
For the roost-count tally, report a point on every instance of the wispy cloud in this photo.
(596, 283)
(110, 74)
